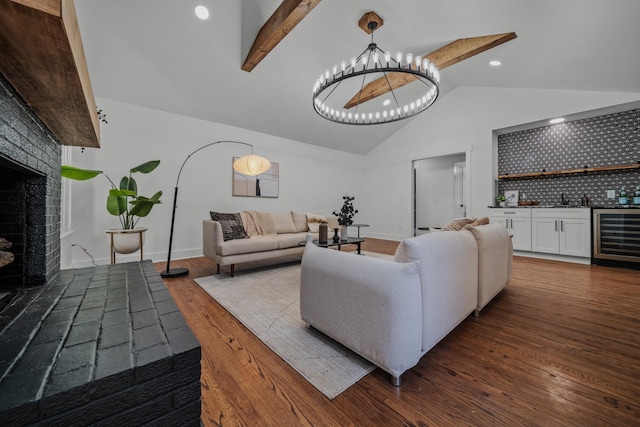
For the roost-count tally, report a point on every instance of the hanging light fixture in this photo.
(250, 165)
(333, 91)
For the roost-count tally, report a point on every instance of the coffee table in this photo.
(330, 243)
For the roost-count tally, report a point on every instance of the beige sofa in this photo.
(289, 228)
(393, 312)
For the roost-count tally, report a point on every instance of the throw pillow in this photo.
(300, 221)
(283, 222)
(457, 224)
(481, 221)
(231, 223)
(313, 222)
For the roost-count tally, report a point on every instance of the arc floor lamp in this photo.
(250, 165)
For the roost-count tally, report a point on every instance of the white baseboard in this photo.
(153, 256)
(553, 257)
(383, 236)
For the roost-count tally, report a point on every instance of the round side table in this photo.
(359, 225)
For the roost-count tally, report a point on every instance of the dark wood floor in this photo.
(560, 346)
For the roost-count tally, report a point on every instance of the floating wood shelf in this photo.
(43, 59)
(568, 171)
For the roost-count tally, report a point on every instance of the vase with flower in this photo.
(345, 215)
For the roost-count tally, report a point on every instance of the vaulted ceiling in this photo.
(157, 54)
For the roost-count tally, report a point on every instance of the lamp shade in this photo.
(251, 165)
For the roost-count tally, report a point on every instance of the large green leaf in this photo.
(78, 174)
(142, 205)
(123, 193)
(146, 167)
(128, 183)
(116, 202)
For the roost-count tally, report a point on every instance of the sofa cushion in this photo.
(457, 224)
(481, 221)
(290, 240)
(245, 246)
(494, 254)
(313, 222)
(300, 221)
(448, 271)
(283, 222)
(231, 223)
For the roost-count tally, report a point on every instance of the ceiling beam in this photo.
(444, 57)
(283, 20)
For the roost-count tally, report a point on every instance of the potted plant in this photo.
(124, 202)
(345, 215)
(502, 200)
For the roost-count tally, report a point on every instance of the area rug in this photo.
(266, 299)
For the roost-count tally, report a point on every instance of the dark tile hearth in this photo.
(104, 345)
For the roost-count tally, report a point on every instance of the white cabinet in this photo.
(518, 222)
(561, 231)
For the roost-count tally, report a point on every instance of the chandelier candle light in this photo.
(331, 101)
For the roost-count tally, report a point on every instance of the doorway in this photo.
(440, 193)
(459, 207)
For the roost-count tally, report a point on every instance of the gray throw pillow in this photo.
(231, 223)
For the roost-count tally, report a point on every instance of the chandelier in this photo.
(338, 92)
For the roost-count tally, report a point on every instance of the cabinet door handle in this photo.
(556, 224)
(561, 225)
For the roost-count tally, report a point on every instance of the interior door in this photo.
(439, 195)
(459, 208)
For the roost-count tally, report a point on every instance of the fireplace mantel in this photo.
(43, 58)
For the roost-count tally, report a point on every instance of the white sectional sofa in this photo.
(393, 312)
(277, 236)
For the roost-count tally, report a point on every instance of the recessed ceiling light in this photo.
(556, 121)
(201, 12)
(386, 102)
(495, 63)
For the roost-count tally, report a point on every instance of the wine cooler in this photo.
(616, 234)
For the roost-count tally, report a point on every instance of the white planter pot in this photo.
(343, 233)
(126, 241)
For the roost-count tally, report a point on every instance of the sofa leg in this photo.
(218, 272)
(233, 270)
(476, 313)
(395, 381)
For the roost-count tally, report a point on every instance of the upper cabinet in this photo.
(43, 59)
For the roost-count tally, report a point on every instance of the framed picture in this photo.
(263, 185)
(512, 197)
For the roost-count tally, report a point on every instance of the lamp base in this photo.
(175, 272)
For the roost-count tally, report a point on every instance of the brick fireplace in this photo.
(104, 345)
(30, 193)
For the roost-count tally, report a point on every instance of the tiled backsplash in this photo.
(610, 140)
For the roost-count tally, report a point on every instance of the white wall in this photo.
(462, 120)
(312, 179)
